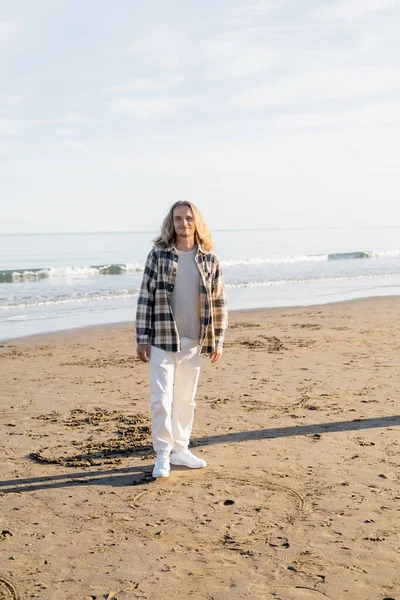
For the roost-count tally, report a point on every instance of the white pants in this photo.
(173, 384)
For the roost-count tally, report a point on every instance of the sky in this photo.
(271, 113)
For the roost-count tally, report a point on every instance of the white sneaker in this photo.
(161, 468)
(186, 459)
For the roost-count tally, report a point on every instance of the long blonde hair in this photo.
(167, 236)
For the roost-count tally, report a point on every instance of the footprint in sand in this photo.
(278, 541)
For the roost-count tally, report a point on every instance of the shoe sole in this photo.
(182, 464)
(158, 476)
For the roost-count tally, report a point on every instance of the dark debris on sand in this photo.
(131, 434)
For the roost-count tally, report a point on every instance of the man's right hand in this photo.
(143, 352)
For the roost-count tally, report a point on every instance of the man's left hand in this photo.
(214, 356)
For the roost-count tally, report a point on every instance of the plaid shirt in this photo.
(155, 323)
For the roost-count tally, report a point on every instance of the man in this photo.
(181, 314)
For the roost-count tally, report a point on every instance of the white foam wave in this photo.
(72, 272)
(73, 300)
(303, 258)
(275, 282)
(17, 318)
(385, 253)
(129, 268)
(248, 262)
(134, 268)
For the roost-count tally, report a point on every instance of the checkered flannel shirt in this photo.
(155, 323)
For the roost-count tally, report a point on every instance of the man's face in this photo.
(183, 219)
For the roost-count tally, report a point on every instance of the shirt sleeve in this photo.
(145, 303)
(220, 313)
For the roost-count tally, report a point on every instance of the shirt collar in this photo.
(172, 248)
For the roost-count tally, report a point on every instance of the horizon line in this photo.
(313, 227)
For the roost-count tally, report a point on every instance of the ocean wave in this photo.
(385, 253)
(311, 258)
(16, 275)
(364, 254)
(250, 262)
(274, 282)
(79, 298)
(350, 255)
(23, 275)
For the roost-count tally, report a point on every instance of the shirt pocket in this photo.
(171, 271)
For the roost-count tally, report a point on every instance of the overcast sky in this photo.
(265, 114)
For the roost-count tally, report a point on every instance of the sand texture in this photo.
(298, 421)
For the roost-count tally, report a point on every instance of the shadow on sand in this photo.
(141, 475)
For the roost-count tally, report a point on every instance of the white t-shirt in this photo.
(185, 299)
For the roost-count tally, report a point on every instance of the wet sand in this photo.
(298, 421)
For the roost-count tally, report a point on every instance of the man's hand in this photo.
(143, 352)
(214, 356)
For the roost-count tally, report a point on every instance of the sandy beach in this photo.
(298, 421)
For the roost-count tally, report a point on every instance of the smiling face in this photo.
(184, 224)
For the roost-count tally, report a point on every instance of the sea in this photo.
(55, 282)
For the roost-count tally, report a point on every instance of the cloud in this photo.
(8, 127)
(11, 102)
(250, 12)
(318, 86)
(161, 44)
(75, 119)
(154, 84)
(350, 10)
(366, 117)
(366, 42)
(304, 120)
(63, 131)
(79, 144)
(265, 40)
(148, 109)
(8, 30)
(68, 119)
(236, 55)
